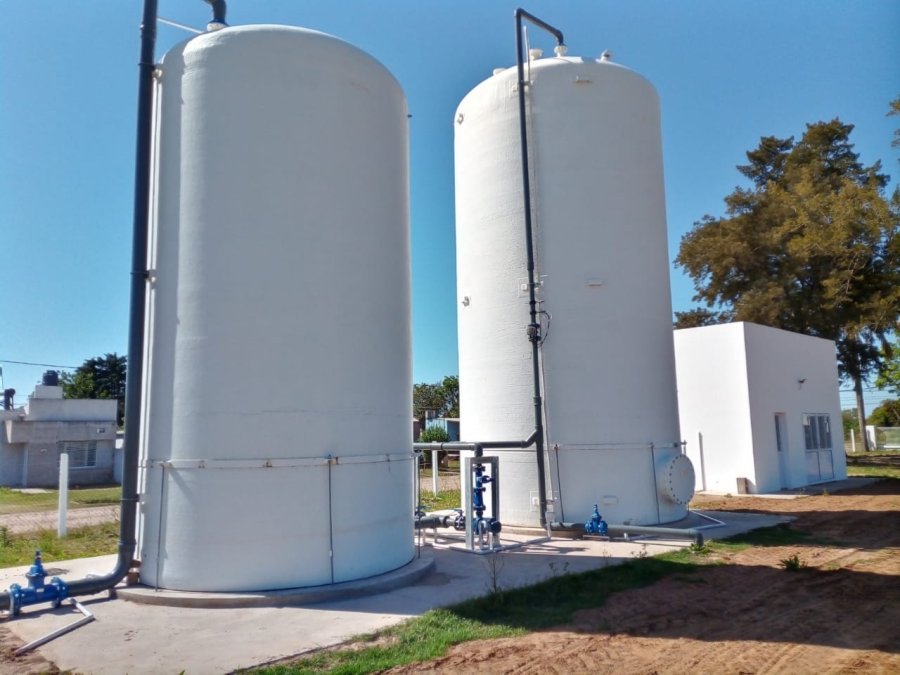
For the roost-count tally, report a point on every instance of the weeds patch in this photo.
(81, 542)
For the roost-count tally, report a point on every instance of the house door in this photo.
(781, 445)
(817, 437)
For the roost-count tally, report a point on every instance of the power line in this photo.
(46, 365)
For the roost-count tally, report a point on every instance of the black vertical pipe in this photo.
(534, 326)
(134, 382)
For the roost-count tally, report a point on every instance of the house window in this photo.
(817, 432)
(82, 454)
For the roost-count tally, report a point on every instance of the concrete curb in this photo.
(404, 576)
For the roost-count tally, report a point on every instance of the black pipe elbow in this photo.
(218, 9)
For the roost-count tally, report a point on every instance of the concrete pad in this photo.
(406, 575)
(140, 638)
(851, 483)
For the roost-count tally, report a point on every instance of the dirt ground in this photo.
(840, 615)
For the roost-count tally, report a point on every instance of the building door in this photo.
(817, 438)
(781, 444)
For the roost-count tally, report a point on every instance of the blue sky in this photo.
(727, 74)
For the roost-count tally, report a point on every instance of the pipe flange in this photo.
(678, 479)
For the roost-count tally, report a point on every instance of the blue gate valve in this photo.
(481, 524)
(37, 591)
(596, 525)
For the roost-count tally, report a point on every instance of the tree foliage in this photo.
(442, 397)
(99, 377)
(812, 246)
(850, 420)
(889, 377)
(895, 111)
(699, 316)
(886, 415)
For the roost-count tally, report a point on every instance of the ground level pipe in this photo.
(34, 644)
(690, 533)
(681, 533)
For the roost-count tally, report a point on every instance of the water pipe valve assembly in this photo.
(37, 591)
(596, 525)
(481, 524)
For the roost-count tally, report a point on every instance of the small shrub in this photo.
(793, 564)
(494, 567)
(699, 549)
(559, 569)
(434, 435)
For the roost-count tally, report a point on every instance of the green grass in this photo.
(515, 612)
(876, 463)
(14, 501)
(82, 542)
(448, 499)
(420, 639)
(501, 614)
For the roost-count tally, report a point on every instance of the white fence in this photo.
(883, 438)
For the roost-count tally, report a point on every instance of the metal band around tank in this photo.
(183, 464)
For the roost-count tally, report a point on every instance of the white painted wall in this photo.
(73, 410)
(732, 381)
(29, 437)
(713, 404)
(777, 361)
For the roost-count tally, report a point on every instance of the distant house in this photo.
(448, 424)
(33, 437)
(759, 408)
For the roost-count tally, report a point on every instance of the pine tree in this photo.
(813, 247)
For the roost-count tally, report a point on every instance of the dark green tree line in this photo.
(442, 397)
(99, 377)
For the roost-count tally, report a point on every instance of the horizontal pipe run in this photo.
(489, 445)
(682, 533)
(433, 521)
(689, 533)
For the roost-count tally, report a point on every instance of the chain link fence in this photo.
(26, 510)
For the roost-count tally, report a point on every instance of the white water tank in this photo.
(277, 451)
(607, 362)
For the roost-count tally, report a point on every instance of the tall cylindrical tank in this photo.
(607, 357)
(277, 450)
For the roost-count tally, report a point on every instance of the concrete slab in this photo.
(851, 483)
(409, 574)
(139, 638)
